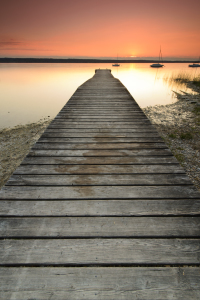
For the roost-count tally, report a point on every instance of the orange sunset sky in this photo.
(99, 28)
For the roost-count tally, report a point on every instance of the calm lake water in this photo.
(30, 92)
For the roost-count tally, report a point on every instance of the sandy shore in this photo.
(15, 144)
(178, 124)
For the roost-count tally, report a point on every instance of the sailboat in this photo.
(116, 64)
(160, 59)
(194, 65)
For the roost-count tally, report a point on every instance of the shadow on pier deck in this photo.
(100, 208)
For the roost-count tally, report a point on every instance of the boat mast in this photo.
(160, 55)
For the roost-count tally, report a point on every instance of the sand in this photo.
(179, 125)
(15, 143)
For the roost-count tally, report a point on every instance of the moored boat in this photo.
(158, 65)
(194, 66)
(116, 64)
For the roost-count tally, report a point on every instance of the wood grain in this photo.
(121, 207)
(100, 227)
(101, 160)
(96, 179)
(100, 283)
(61, 169)
(100, 251)
(98, 192)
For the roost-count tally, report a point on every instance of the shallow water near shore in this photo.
(30, 92)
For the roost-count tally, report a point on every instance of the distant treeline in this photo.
(83, 60)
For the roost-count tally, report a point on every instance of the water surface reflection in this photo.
(30, 92)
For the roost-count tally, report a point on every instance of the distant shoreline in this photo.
(76, 60)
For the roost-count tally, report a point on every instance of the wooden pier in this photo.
(100, 208)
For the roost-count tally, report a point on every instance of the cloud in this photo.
(13, 44)
(29, 49)
(10, 43)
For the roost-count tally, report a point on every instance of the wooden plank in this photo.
(101, 116)
(101, 93)
(101, 251)
(96, 89)
(100, 120)
(68, 180)
(116, 132)
(110, 153)
(99, 227)
(88, 120)
(101, 140)
(109, 126)
(142, 128)
(108, 106)
(167, 207)
(102, 100)
(98, 146)
(99, 169)
(101, 110)
(100, 283)
(98, 192)
(83, 114)
(62, 134)
(101, 160)
(107, 97)
(101, 124)
(117, 99)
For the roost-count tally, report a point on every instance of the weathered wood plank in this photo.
(102, 100)
(104, 126)
(98, 192)
(68, 180)
(80, 114)
(101, 140)
(101, 119)
(99, 169)
(127, 160)
(101, 93)
(100, 115)
(108, 106)
(92, 153)
(101, 251)
(181, 283)
(96, 89)
(93, 116)
(98, 146)
(68, 134)
(107, 97)
(101, 110)
(116, 131)
(99, 227)
(106, 207)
